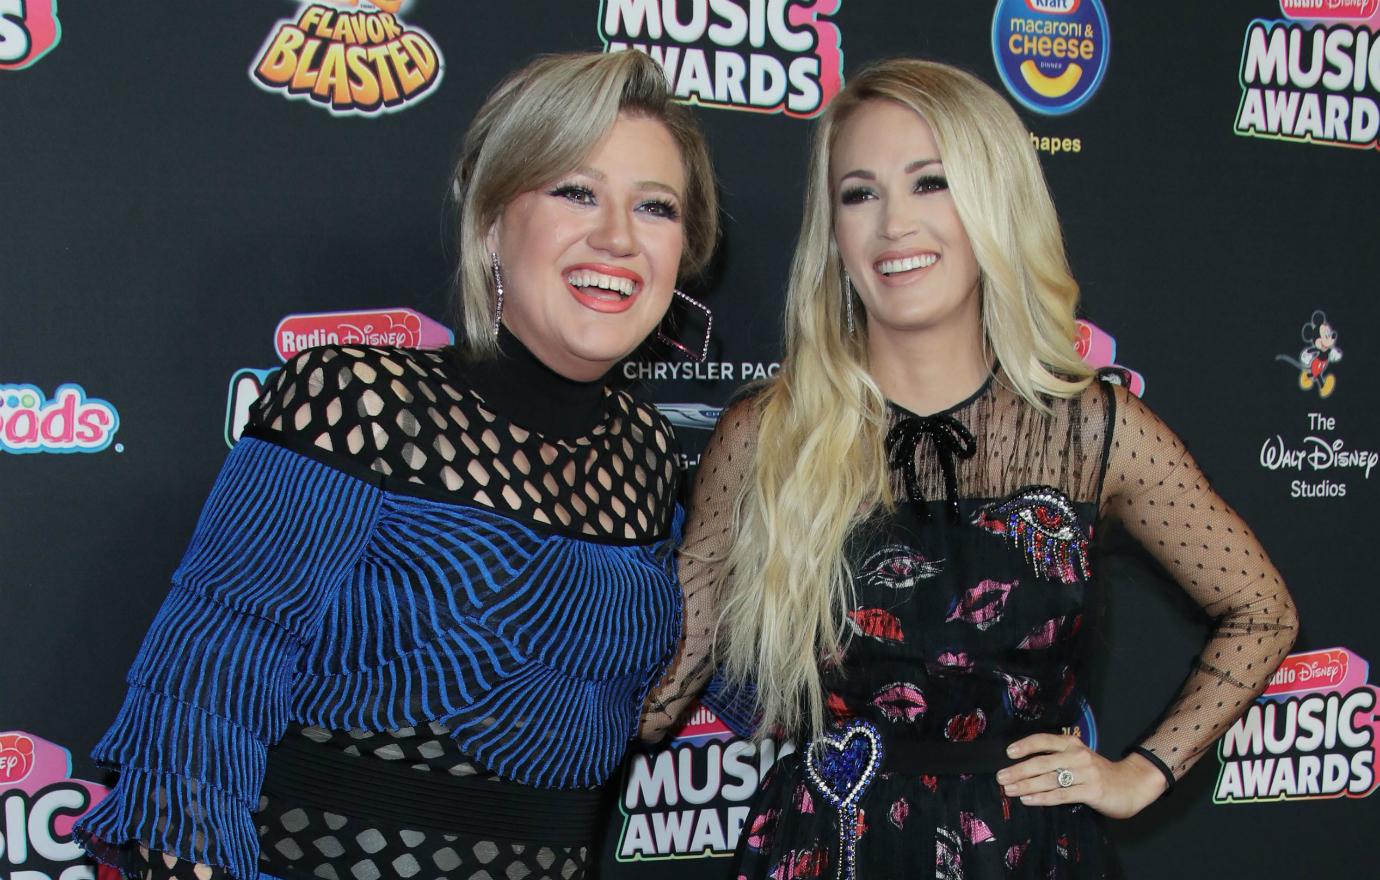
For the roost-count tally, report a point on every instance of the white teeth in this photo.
(891, 267)
(587, 278)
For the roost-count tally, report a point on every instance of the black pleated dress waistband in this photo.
(304, 772)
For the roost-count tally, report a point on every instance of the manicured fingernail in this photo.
(1012, 751)
(1003, 776)
(1025, 798)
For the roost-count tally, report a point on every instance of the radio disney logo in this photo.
(1324, 10)
(1314, 77)
(692, 798)
(383, 327)
(29, 29)
(40, 803)
(68, 422)
(1312, 734)
(348, 62)
(766, 56)
(1316, 669)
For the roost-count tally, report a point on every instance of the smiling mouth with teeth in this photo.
(584, 279)
(906, 264)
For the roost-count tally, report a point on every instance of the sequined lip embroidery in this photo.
(982, 606)
(877, 623)
(763, 830)
(900, 701)
(966, 728)
(840, 766)
(1020, 696)
(1040, 521)
(951, 661)
(898, 567)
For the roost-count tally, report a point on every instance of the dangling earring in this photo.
(498, 288)
(708, 328)
(848, 300)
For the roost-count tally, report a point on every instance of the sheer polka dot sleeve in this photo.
(1154, 487)
(708, 534)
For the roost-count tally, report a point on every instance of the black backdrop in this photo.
(164, 211)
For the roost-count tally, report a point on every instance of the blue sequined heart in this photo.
(842, 765)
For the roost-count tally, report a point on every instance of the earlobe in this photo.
(491, 238)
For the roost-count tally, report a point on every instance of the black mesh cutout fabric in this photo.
(410, 416)
(426, 747)
(302, 840)
(165, 866)
(308, 842)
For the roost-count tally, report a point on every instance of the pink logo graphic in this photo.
(41, 802)
(1328, 669)
(69, 422)
(1329, 10)
(1097, 348)
(29, 29)
(383, 327)
(16, 758)
(703, 723)
(775, 58)
(1313, 734)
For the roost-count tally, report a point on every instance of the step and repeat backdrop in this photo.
(194, 192)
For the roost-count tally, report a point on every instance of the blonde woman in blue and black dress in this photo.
(430, 588)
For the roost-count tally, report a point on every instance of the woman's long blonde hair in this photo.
(542, 122)
(820, 462)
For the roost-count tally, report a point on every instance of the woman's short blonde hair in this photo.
(542, 122)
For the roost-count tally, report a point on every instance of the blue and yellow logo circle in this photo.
(1051, 54)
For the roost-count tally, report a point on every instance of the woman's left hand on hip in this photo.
(1059, 769)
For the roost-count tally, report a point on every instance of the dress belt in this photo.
(945, 758)
(303, 772)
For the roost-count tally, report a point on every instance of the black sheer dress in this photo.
(974, 608)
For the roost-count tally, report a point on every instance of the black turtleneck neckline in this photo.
(518, 386)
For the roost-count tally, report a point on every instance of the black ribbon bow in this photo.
(950, 438)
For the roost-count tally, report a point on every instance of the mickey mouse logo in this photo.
(1319, 353)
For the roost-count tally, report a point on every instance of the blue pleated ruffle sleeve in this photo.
(210, 688)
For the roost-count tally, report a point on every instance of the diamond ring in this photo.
(1063, 777)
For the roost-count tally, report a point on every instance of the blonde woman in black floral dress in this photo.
(893, 538)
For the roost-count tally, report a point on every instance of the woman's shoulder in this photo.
(1092, 406)
(333, 390)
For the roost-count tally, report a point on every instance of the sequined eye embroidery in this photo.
(897, 567)
(1041, 522)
